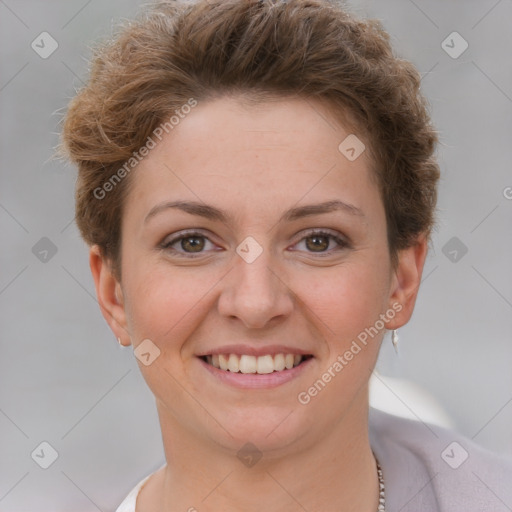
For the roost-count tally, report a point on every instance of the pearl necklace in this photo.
(382, 492)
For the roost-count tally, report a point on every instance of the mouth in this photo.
(258, 365)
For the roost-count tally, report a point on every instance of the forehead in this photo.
(273, 152)
(279, 123)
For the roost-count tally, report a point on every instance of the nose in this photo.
(255, 294)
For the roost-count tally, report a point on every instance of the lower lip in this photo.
(254, 380)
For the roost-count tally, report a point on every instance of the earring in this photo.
(394, 340)
(119, 341)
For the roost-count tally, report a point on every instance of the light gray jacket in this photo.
(431, 469)
(426, 469)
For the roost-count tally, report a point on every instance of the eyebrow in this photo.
(212, 213)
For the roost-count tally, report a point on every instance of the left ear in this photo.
(406, 281)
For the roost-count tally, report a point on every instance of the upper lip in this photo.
(241, 350)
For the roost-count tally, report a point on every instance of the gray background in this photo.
(64, 379)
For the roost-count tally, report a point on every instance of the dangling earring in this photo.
(394, 340)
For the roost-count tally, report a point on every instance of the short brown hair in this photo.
(313, 49)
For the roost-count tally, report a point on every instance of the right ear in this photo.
(109, 293)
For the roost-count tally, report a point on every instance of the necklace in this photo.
(382, 492)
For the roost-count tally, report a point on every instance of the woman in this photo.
(257, 185)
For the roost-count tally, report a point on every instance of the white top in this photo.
(128, 504)
(426, 468)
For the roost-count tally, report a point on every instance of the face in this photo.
(250, 242)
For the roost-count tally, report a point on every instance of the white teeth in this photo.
(233, 363)
(252, 364)
(265, 364)
(248, 364)
(223, 362)
(279, 364)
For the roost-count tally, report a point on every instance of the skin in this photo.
(255, 163)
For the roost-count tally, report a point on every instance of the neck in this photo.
(336, 472)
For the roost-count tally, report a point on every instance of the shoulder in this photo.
(427, 467)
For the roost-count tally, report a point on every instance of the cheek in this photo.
(165, 305)
(345, 300)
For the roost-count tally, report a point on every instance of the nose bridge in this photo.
(255, 282)
(255, 276)
(255, 294)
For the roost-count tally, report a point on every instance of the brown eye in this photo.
(192, 243)
(188, 244)
(322, 243)
(317, 243)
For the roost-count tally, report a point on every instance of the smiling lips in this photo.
(254, 364)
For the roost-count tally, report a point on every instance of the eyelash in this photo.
(342, 243)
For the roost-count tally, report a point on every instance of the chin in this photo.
(268, 428)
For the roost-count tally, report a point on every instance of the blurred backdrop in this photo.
(66, 383)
